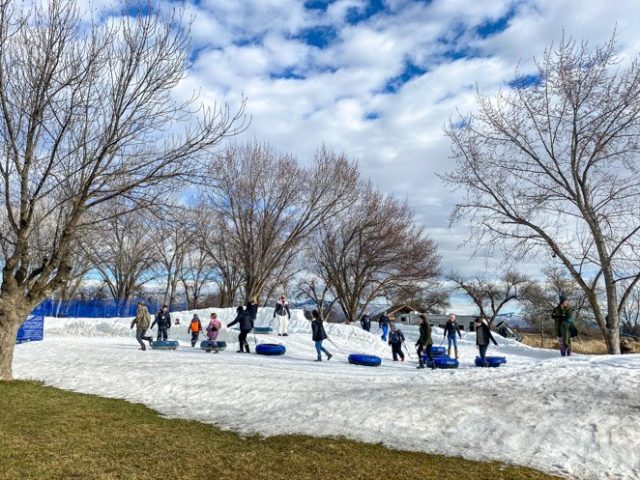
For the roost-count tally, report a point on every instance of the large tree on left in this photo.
(87, 115)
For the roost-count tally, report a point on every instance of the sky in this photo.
(379, 80)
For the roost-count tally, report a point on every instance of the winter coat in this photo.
(213, 329)
(282, 309)
(142, 319)
(425, 334)
(163, 319)
(563, 318)
(383, 321)
(245, 321)
(365, 321)
(483, 334)
(450, 329)
(317, 328)
(195, 326)
(252, 309)
(396, 336)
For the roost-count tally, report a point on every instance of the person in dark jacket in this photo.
(319, 335)
(483, 337)
(195, 328)
(282, 314)
(383, 323)
(163, 320)
(425, 342)
(252, 309)
(365, 322)
(396, 337)
(243, 318)
(562, 321)
(141, 321)
(450, 330)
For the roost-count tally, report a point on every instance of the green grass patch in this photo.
(47, 433)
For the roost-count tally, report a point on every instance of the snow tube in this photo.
(492, 361)
(365, 360)
(263, 330)
(270, 349)
(204, 345)
(165, 344)
(438, 351)
(443, 361)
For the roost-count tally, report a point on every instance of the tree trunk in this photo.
(10, 321)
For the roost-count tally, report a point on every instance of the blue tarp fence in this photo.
(99, 308)
(32, 330)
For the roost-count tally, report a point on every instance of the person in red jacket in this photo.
(195, 327)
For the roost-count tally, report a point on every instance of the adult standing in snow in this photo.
(141, 321)
(319, 335)
(562, 322)
(425, 342)
(213, 329)
(383, 323)
(246, 325)
(282, 314)
(396, 337)
(252, 308)
(365, 322)
(195, 327)
(450, 330)
(483, 337)
(163, 319)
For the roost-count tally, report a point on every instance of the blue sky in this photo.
(379, 79)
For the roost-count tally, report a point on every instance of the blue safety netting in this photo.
(103, 308)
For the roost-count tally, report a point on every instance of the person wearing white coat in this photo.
(282, 314)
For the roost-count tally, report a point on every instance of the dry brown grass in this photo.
(587, 345)
(47, 433)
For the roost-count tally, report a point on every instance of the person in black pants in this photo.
(163, 319)
(483, 337)
(396, 337)
(425, 342)
(243, 317)
(365, 322)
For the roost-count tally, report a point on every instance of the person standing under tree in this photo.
(483, 337)
(365, 322)
(163, 319)
(396, 337)
(450, 330)
(562, 322)
(252, 309)
(195, 327)
(319, 335)
(141, 321)
(425, 342)
(383, 323)
(282, 314)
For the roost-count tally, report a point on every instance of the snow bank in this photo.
(575, 416)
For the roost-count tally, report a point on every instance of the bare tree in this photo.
(630, 314)
(551, 164)
(268, 205)
(431, 297)
(319, 292)
(372, 250)
(197, 272)
(491, 296)
(87, 115)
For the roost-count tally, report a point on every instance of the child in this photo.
(396, 337)
(212, 333)
(425, 342)
(318, 335)
(195, 327)
(483, 336)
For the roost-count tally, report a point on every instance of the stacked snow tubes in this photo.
(165, 344)
(442, 361)
(204, 345)
(365, 360)
(270, 349)
(438, 351)
(491, 361)
(262, 330)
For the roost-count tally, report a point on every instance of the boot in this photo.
(329, 356)
(319, 359)
(246, 348)
(143, 348)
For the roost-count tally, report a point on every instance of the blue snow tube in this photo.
(263, 330)
(492, 361)
(445, 362)
(165, 344)
(438, 351)
(204, 345)
(365, 360)
(270, 349)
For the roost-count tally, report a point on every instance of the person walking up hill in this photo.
(141, 321)
(396, 337)
(243, 318)
(163, 319)
(483, 337)
(195, 328)
(425, 342)
(319, 335)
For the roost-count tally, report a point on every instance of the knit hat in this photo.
(563, 298)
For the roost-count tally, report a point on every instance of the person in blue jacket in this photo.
(243, 317)
(450, 331)
(319, 335)
(396, 337)
(383, 324)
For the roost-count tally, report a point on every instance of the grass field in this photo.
(582, 344)
(47, 433)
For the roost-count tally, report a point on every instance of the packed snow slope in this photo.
(577, 416)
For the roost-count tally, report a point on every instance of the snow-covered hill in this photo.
(578, 416)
